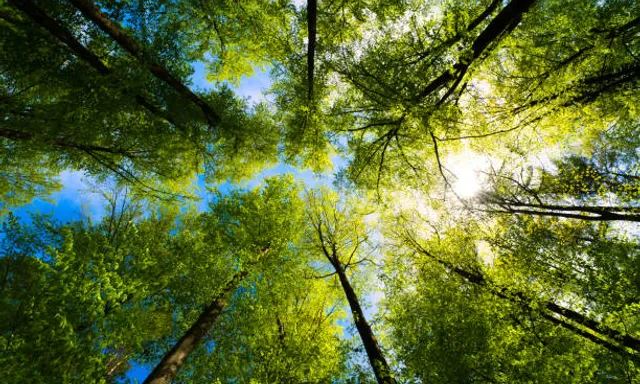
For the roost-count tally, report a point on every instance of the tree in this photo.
(83, 103)
(601, 185)
(288, 332)
(123, 290)
(423, 298)
(258, 240)
(416, 87)
(80, 299)
(340, 236)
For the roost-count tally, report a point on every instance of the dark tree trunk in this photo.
(589, 89)
(117, 33)
(51, 25)
(507, 19)
(63, 143)
(589, 336)
(312, 12)
(588, 213)
(488, 11)
(504, 22)
(168, 368)
(376, 358)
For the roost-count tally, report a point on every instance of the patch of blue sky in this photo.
(309, 179)
(251, 87)
(77, 200)
(254, 89)
(136, 373)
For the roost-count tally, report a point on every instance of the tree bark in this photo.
(589, 336)
(602, 214)
(117, 33)
(505, 21)
(168, 367)
(63, 143)
(376, 358)
(589, 89)
(51, 25)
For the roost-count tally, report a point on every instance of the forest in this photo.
(473, 214)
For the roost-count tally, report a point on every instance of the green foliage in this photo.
(547, 90)
(450, 329)
(78, 300)
(62, 113)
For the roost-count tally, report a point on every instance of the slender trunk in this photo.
(521, 298)
(585, 212)
(312, 11)
(168, 368)
(626, 340)
(507, 19)
(117, 33)
(63, 35)
(26, 136)
(569, 208)
(488, 11)
(51, 25)
(589, 89)
(601, 216)
(589, 336)
(376, 358)
(447, 44)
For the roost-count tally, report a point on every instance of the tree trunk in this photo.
(589, 336)
(312, 13)
(51, 25)
(377, 360)
(595, 213)
(168, 368)
(63, 143)
(117, 33)
(507, 19)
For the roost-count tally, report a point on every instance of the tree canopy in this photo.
(482, 224)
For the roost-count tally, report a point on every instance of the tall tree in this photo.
(340, 236)
(601, 184)
(77, 101)
(248, 229)
(422, 79)
(449, 272)
(535, 280)
(79, 299)
(288, 331)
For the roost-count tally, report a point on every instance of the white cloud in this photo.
(254, 87)
(299, 4)
(79, 190)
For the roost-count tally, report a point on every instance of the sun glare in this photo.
(466, 168)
